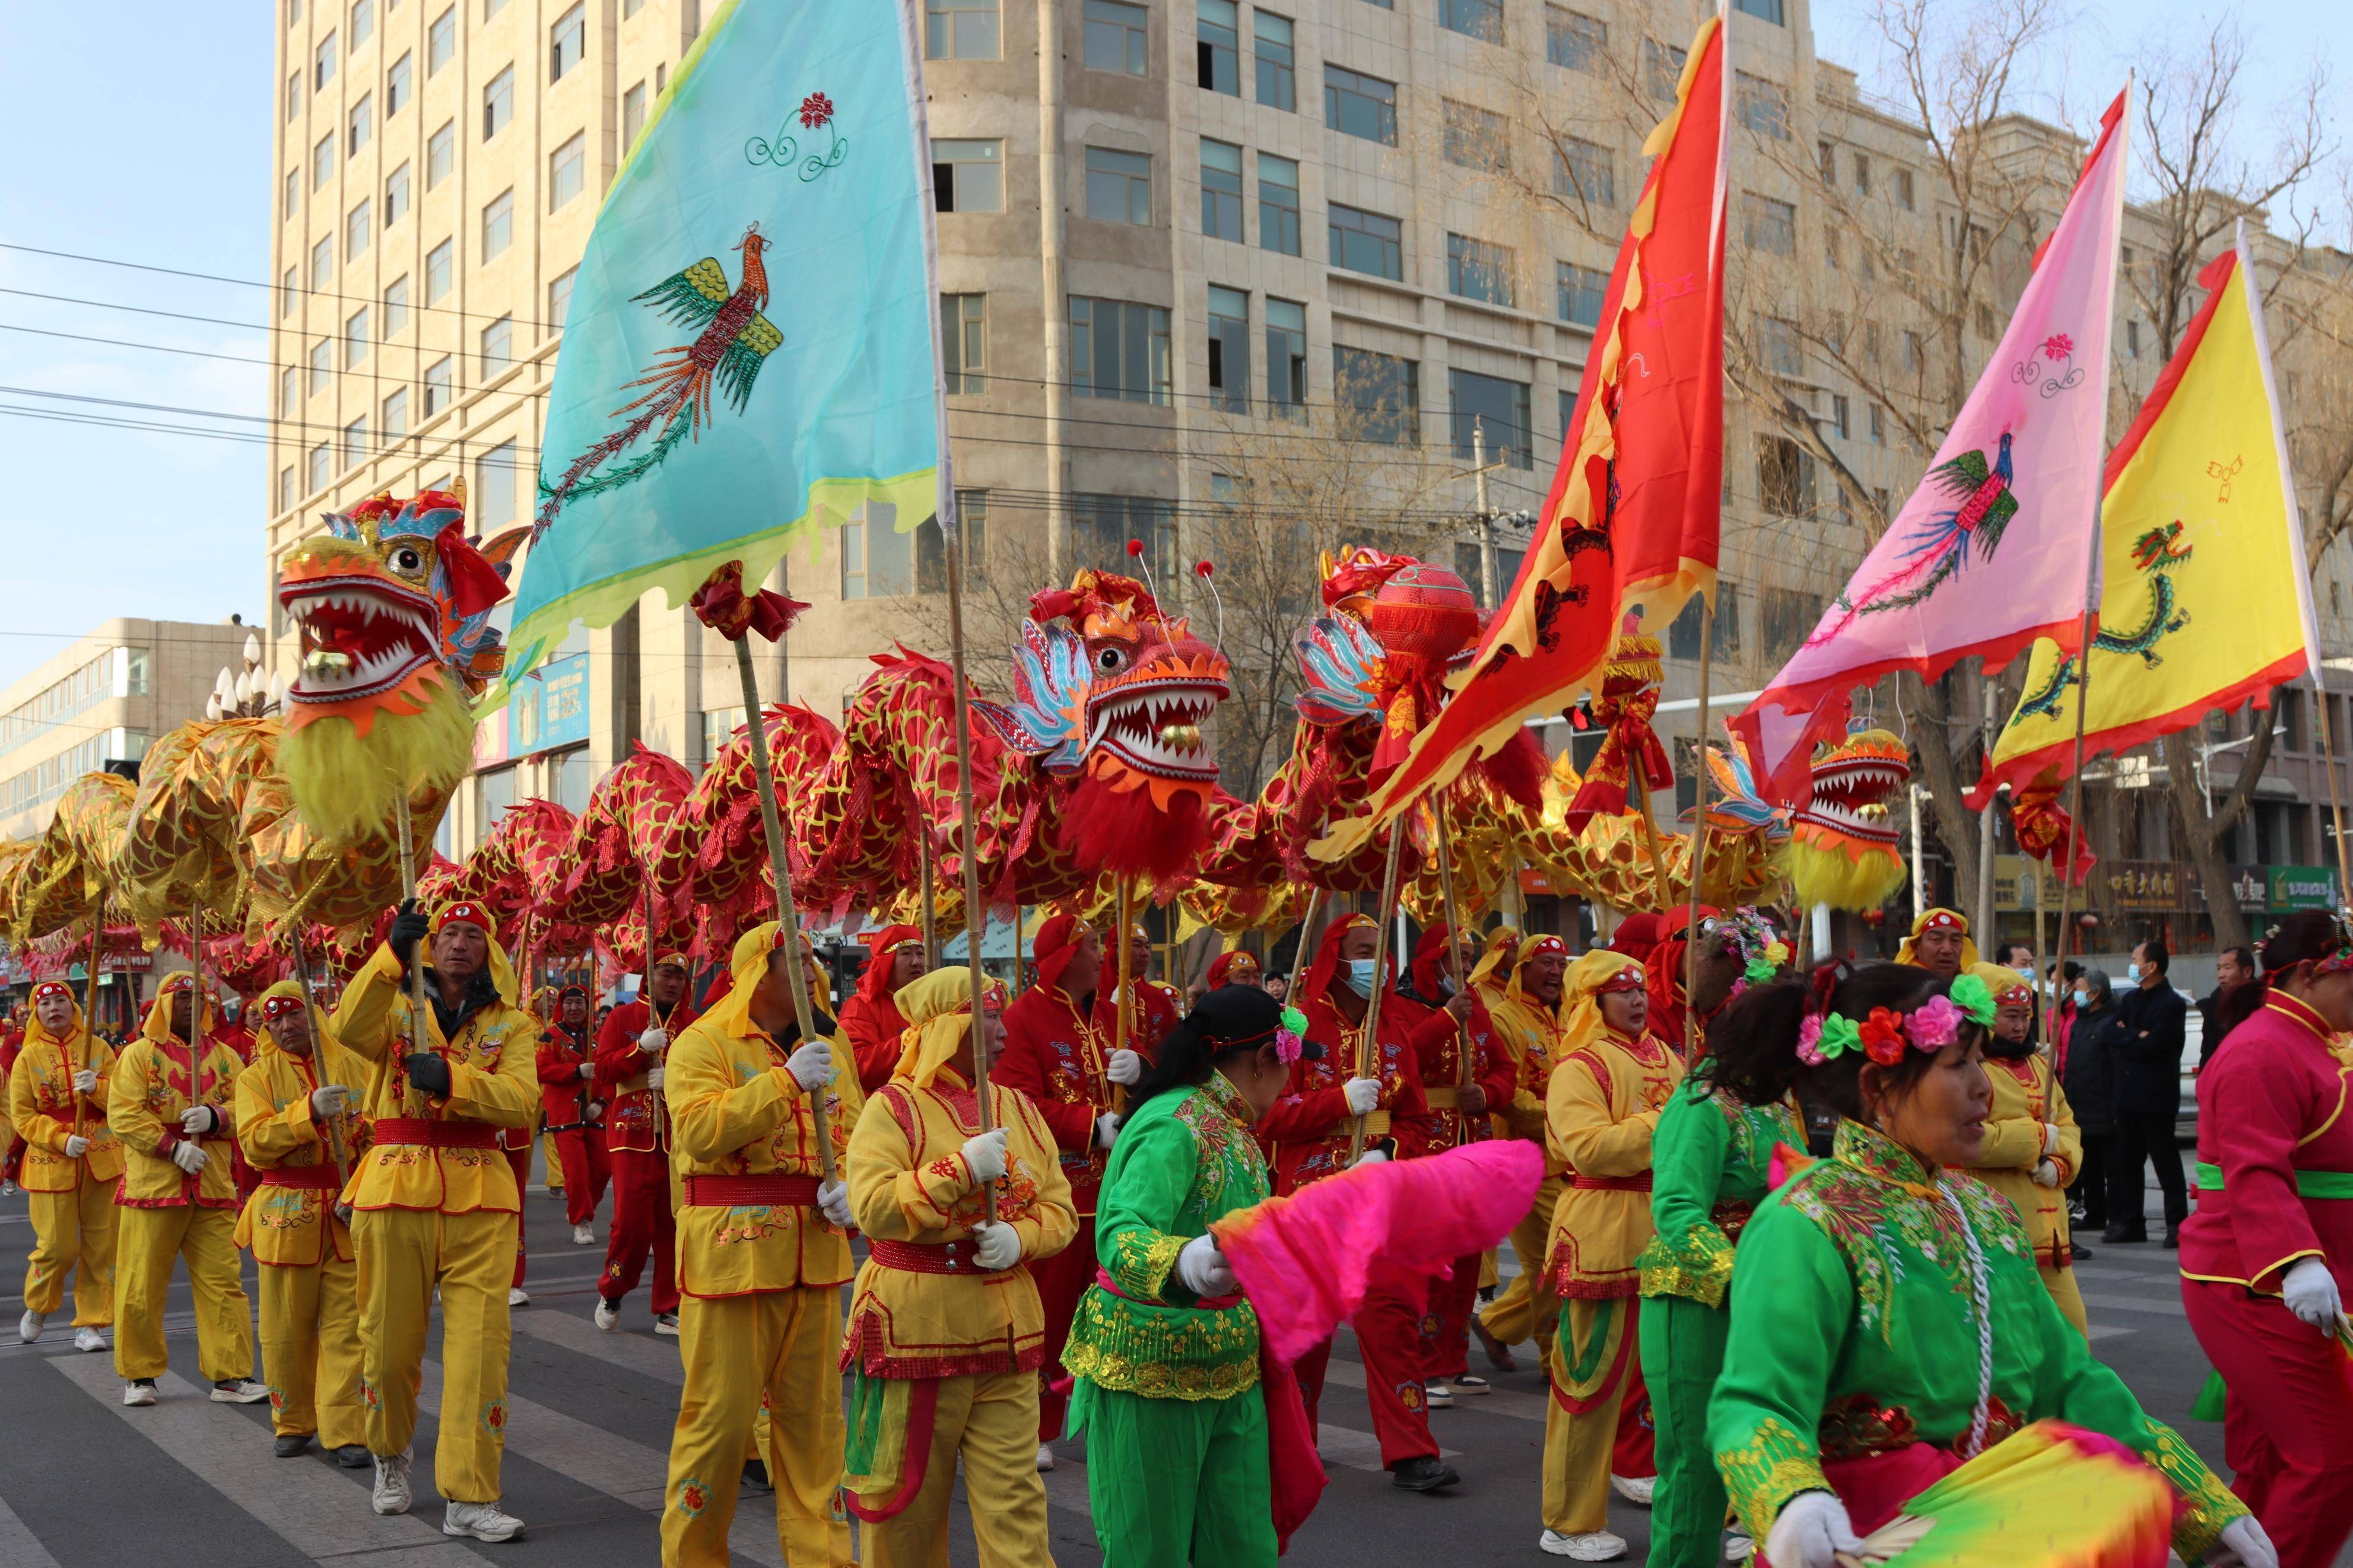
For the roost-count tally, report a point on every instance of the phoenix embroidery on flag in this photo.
(1983, 506)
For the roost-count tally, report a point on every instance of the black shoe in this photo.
(1424, 1475)
(2078, 1251)
(355, 1456)
(2120, 1236)
(2173, 1238)
(755, 1474)
(292, 1445)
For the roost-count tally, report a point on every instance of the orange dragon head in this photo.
(1843, 841)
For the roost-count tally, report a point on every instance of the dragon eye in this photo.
(1110, 660)
(409, 561)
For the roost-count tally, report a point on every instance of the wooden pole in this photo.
(318, 1054)
(1463, 1052)
(1299, 953)
(1367, 1041)
(88, 1007)
(417, 968)
(929, 918)
(2062, 860)
(2336, 790)
(1123, 1017)
(970, 829)
(1698, 858)
(1640, 788)
(789, 925)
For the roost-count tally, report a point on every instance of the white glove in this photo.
(1811, 1531)
(190, 1158)
(653, 1077)
(812, 1065)
(1372, 1157)
(654, 1042)
(1201, 1267)
(833, 1197)
(1124, 1067)
(1364, 1095)
(2242, 1544)
(76, 1145)
(2310, 1291)
(1107, 1129)
(86, 1081)
(985, 1154)
(328, 1100)
(999, 1245)
(588, 1070)
(2046, 1173)
(2050, 1139)
(199, 1121)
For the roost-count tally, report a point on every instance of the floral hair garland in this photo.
(1291, 1038)
(1882, 1036)
(1748, 935)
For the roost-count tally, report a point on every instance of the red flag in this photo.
(1634, 513)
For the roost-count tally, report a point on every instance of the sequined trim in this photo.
(1162, 1352)
(2205, 1505)
(1142, 1261)
(1772, 1467)
(1697, 1265)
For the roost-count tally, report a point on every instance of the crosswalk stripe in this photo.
(655, 1358)
(1495, 1402)
(17, 1546)
(319, 1512)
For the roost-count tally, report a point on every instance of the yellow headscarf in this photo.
(747, 964)
(38, 1034)
(1943, 919)
(157, 1024)
(2006, 985)
(1502, 946)
(465, 911)
(1595, 972)
(938, 1011)
(265, 1038)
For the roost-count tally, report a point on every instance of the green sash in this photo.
(2309, 1183)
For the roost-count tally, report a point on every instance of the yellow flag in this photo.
(2204, 601)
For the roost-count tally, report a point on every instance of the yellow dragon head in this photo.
(1843, 841)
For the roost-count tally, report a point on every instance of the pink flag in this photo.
(1996, 547)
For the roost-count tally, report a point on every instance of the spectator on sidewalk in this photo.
(2233, 970)
(2087, 1074)
(2146, 1045)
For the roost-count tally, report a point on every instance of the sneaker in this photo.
(1599, 1547)
(28, 1327)
(353, 1457)
(584, 1236)
(1045, 1456)
(239, 1391)
(1472, 1384)
(482, 1521)
(666, 1324)
(1424, 1474)
(1437, 1395)
(88, 1340)
(139, 1391)
(1739, 1548)
(391, 1483)
(516, 1297)
(608, 1315)
(1636, 1490)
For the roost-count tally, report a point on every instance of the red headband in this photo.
(1627, 979)
(52, 988)
(280, 1006)
(464, 912)
(1543, 945)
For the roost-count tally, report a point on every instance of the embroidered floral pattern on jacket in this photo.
(1772, 1467)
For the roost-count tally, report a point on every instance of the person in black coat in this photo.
(2233, 969)
(2152, 1027)
(2089, 1080)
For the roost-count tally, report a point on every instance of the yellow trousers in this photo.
(991, 1422)
(1522, 1310)
(2061, 1283)
(779, 1345)
(402, 1255)
(311, 1349)
(73, 1233)
(1592, 1358)
(147, 1242)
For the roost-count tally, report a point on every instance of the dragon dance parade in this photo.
(984, 1093)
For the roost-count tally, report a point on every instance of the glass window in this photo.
(492, 7)
(356, 231)
(1567, 412)
(498, 346)
(1778, 341)
(1278, 203)
(1498, 411)
(355, 442)
(972, 531)
(498, 226)
(395, 197)
(1767, 10)
(293, 95)
(1119, 186)
(1767, 225)
(1841, 415)
(492, 503)
(964, 342)
(960, 29)
(968, 176)
(323, 264)
(567, 42)
(1119, 351)
(1359, 105)
(559, 298)
(1584, 172)
(1663, 66)
(1574, 39)
(1481, 19)
(288, 286)
(1100, 526)
(396, 91)
(567, 171)
(1286, 357)
(440, 154)
(323, 63)
(355, 339)
(363, 23)
(319, 469)
(1878, 425)
(1116, 37)
(1366, 242)
(1219, 46)
(877, 561)
(1861, 168)
(1581, 292)
(437, 383)
(1763, 106)
(1724, 631)
(1221, 190)
(286, 496)
(1904, 189)
(1229, 350)
(1478, 270)
(1476, 138)
(290, 391)
(633, 115)
(293, 193)
(1785, 476)
(395, 414)
(441, 41)
(1380, 394)
(436, 270)
(323, 162)
(362, 124)
(1278, 74)
(498, 103)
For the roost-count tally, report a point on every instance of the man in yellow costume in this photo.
(763, 1251)
(1527, 1015)
(2032, 1146)
(296, 1121)
(946, 1334)
(1939, 943)
(435, 1203)
(171, 1100)
(57, 1099)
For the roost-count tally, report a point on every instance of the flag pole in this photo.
(1123, 1028)
(88, 1007)
(969, 828)
(1464, 1067)
(1368, 1042)
(318, 1058)
(2063, 861)
(1699, 832)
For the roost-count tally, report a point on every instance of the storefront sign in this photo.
(2251, 886)
(2302, 887)
(2147, 886)
(551, 705)
(2022, 882)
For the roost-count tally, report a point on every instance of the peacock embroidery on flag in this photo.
(1941, 546)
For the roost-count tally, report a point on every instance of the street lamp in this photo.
(2206, 754)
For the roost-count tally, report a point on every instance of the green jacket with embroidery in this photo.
(1184, 1158)
(1709, 1157)
(1855, 1329)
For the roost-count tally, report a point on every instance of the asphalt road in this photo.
(85, 1483)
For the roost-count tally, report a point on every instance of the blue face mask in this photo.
(2082, 1000)
(2132, 972)
(1360, 976)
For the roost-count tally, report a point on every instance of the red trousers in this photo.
(1388, 1338)
(643, 1223)
(580, 1153)
(519, 1162)
(1634, 1454)
(1446, 1322)
(1061, 1280)
(2287, 1424)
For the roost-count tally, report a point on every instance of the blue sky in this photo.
(139, 131)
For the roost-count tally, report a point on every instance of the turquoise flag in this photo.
(749, 353)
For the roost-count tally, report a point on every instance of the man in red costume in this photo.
(1058, 1051)
(1240, 967)
(1719, 965)
(1307, 1134)
(1156, 1013)
(869, 1018)
(629, 1050)
(574, 1114)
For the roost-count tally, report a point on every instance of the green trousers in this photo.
(1682, 1354)
(1177, 1483)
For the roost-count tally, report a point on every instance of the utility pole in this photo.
(1486, 524)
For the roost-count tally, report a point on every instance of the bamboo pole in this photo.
(1640, 788)
(1299, 953)
(2062, 860)
(196, 1007)
(969, 828)
(89, 1008)
(930, 916)
(318, 1055)
(1698, 858)
(2335, 789)
(1464, 1065)
(1367, 1040)
(1124, 1016)
(417, 965)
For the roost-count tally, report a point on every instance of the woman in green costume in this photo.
(1887, 1319)
(1166, 1355)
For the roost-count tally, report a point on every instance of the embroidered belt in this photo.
(927, 1256)
(1104, 1281)
(1635, 1184)
(317, 1178)
(1376, 1127)
(417, 1130)
(1732, 1216)
(1449, 1097)
(2309, 1183)
(779, 1191)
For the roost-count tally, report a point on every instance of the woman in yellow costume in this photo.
(2031, 1147)
(1527, 1012)
(57, 1097)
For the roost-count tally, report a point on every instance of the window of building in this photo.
(1724, 632)
(288, 286)
(960, 29)
(877, 561)
(1475, 138)
(323, 162)
(2132, 330)
(498, 346)
(1584, 172)
(1229, 352)
(1277, 64)
(440, 154)
(286, 493)
(1582, 290)
(1904, 189)
(567, 171)
(1878, 425)
(358, 229)
(964, 342)
(1478, 270)
(1366, 242)
(1116, 37)
(1663, 66)
(395, 197)
(293, 193)
(1841, 415)
(633, 116)
(1278, 203)
(1567, 395)
(397, 88)
(498, 226)
(1380, 394)
(395, 414)
(1767, 225)
(1221, 190)
(354, 444)
(355, 339)
(1986, 328)
(1286, 357)
(290, 391)
(323, 264)
(439, 380)
(441, 41)
(323, 63)
(1785, 477)
(1826, 156)
(1100, 526)
(363, 23)
(1764, 10)
(1575, 40)
(1785, 618)
(438, 262)
(319, 468)
(968, 176)
(490, 504)
(1859, 169)
(1777, 340)
(1217, 45)
(972, 534)
(498, 103)
(293, 95)
(567, 42)
(1763, 106)
(492, 7)
(1357, 105)
(1119, 186)
(1916, 352)
(293, 12)
(1119, 350)
(1492, 412)
(362, 123)
(559, 299)
(1481, 19)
